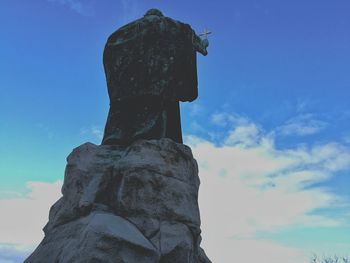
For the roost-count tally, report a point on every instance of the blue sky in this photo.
(270, 129)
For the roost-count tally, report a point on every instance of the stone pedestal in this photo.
(132, 204)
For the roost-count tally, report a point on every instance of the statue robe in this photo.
(150, 65)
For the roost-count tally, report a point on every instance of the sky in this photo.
(270, 129)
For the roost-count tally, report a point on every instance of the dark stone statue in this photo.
(150, 66)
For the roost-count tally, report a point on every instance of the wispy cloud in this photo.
(347, 139)
(195, 109)
(94, 133)
(302, 125)
(248, 186)
(225, 119)
(301, 105)
(245, 135)
(82, 7)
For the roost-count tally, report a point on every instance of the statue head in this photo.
(154, 12)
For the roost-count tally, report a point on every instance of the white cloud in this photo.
(196, 127)
(302, 125)
(22, 218)
(246, 135)
(248, 185)
(251, 251)
(224, 119)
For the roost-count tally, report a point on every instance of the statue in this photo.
(150, 66)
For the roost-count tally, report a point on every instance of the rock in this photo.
(99, 237)
(134, 203)
(177, 243)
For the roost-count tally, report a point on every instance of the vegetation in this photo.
(329, 259)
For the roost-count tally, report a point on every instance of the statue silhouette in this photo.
(150, 65)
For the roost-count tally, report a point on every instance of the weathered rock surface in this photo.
(129, 204)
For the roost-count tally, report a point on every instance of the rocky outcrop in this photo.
(132, 204)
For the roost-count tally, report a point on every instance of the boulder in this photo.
(136, 203)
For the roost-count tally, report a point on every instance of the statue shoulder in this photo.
(124, 33)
